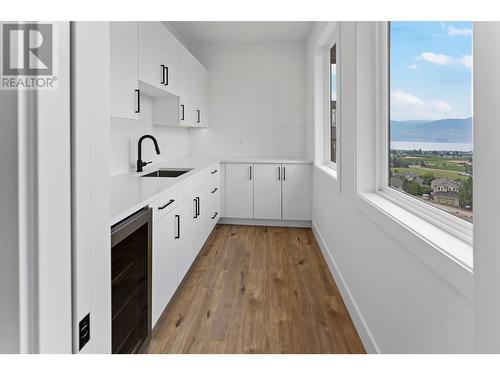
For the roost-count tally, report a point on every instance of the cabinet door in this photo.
(172, 50)
(165, 274)
(239, 190)
(187, 89)
(267, 191)
(186, 235)
(296, 191)
(151, 55)
(200, 91)
(124, 81)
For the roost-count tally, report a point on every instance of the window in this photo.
(331, 105)
(430, 114)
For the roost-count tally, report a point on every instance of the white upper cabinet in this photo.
(171, 60)
(267, 191)
(151, 56)
(239, 190)
(124, 95)
(297, 191)
(201, 95)
(147, 59)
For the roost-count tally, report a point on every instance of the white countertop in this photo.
(130, 192)
(264, 160)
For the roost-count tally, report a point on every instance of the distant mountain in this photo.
(443, 131)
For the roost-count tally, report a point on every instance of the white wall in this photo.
(174, 142)
(9, 248)
(91, 241)
(257, 100)
(35, 222)
(398, 302)
(486, 197)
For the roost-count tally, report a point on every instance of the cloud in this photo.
(440, 105)
(399, 97)
(437, 59)
(442, 60)
(405, 105)
(466, 61)
(413, 66)
(456, 31)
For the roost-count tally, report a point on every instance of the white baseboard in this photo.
(267, 223)
(365, 334)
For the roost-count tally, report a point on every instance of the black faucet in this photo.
(141, 163)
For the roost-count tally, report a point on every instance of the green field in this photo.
(420, 171)
(439, 166)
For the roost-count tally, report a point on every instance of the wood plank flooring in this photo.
(257, 290)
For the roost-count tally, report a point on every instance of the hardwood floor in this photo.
(257, 290)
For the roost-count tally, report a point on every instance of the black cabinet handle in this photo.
(178, 218)
(215, 215)
(213, 191)
(250, 172)
(197, 116)
(198, 207)
(279, 173)
(138, 109)
(166, 80)
(195, 200)
(182, 112)
(167, 204)
(214, 171)
(162, 74)
(284, 173)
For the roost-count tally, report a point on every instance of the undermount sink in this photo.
(167, 173)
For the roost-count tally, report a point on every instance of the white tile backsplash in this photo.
(174, 142)
(286, 142)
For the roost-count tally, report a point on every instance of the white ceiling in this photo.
(239, 31)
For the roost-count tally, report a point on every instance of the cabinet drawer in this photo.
(164, 205)
(213, 194)
(213, 171)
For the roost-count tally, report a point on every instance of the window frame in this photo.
(332, 40)
(455, 226)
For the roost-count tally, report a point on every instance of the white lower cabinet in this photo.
(272, 191)
(239, 190)
(267, 191)
(165, 252)
(296, 191)
(186, 234)
(179, 233)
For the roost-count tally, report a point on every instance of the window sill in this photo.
(447, 255)
(328, 171)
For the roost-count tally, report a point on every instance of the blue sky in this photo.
(431, 70)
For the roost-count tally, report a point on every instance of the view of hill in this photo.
(443, 131)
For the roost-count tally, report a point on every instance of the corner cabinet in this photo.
(239, 190)
(148, 60)
(271, 191)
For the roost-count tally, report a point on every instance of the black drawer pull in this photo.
(213, 191)
(215, 215)
(138, 109)
(162, 74)
(167, 204)
(178, 218)
(214, 171)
